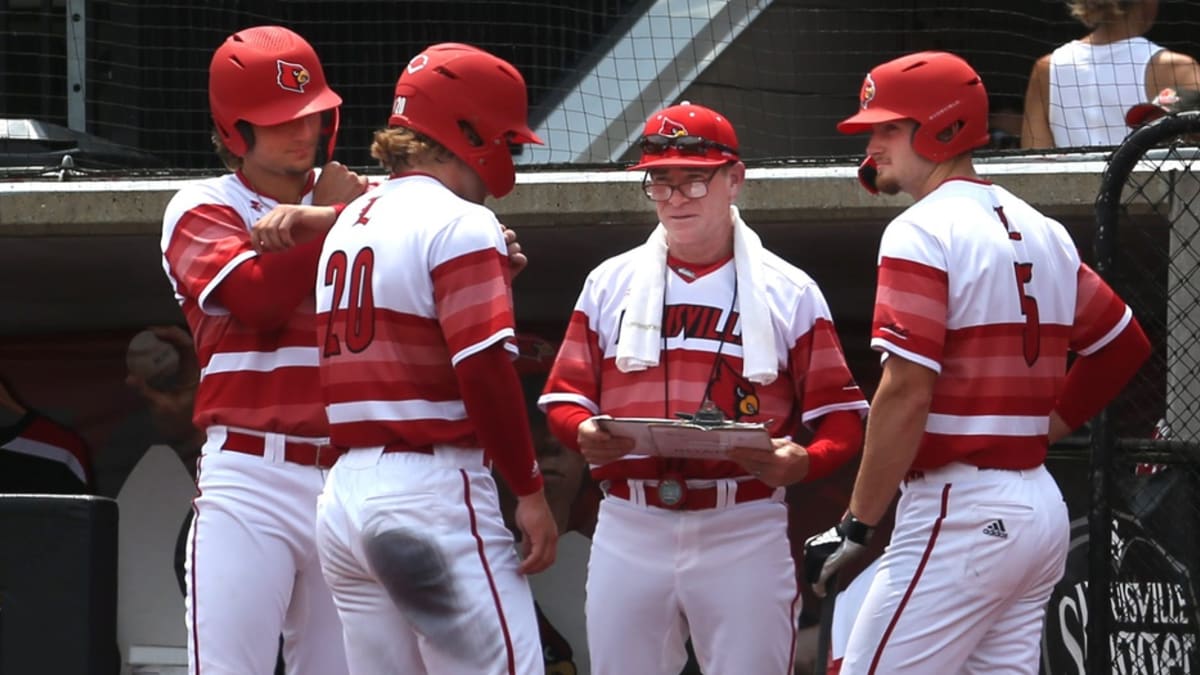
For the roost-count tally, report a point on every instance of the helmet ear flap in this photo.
(330, 120)
(245, 134)
(868, 172)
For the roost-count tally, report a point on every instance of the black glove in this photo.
(828, 551)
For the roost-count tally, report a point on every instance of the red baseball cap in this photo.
(1167, 101)
(687, 135)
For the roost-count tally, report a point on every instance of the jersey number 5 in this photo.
(1032, 333)
(356, 324)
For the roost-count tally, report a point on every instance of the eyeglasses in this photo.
(693, 189)
(657, 144)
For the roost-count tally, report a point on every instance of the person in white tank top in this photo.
(1079, 93)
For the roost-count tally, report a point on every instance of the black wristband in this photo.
(856, 530)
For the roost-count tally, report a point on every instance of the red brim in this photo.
(292, 108)
(526, 135)
(1143, 113)
(668, 161)
(866, 119)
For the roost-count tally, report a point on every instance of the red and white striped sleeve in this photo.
(202, 244)
(471, 292)
(1100, 314)
(575, 376)
(818, 365)
(911, 295)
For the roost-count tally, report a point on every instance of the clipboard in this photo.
(662, 437)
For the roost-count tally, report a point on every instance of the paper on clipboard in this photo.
(674, 438)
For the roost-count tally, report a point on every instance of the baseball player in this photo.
(252, 569)
(979, 300)
(415, 335)
(700, 313)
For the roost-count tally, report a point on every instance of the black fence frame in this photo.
(1108, 449)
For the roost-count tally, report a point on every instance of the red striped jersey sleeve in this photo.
(575, 375)
(823, 380)
(471, 291)
(911, 300)
(1099, 313)
(205, 244)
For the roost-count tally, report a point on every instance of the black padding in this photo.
(58, 585)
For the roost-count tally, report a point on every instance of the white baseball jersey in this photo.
(252, 570)
(978, 286)
(698, 321)
(256, 380)
(1091, 88)
(412, 280)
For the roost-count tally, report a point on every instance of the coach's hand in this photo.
(787, 463)
(830, 550)
(289, 224)
(516, 259)
(338, 185)
(599, 446)
(539, 533)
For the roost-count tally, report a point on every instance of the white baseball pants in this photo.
(725, 576)
(963, 585)
(252, 570)
(442, 594)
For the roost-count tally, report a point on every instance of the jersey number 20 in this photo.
(356, 325)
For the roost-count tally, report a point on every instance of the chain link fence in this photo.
(1140, 612)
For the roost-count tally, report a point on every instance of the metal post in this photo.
(1183, 296)
(77, 64)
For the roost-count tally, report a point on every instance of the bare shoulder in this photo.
(1171, 69)
(1041, 67)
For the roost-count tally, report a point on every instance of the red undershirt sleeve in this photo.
(265, 290)
(495, 403)
(563, 420)
(838, 436)
(1097, 378)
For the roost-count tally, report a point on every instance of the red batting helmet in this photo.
(936, 89)
(471, 102)
(687, 135)
(267, 75)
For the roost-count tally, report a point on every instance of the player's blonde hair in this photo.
(1092, 13)
(400, 149)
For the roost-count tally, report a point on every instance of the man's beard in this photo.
(887, 185)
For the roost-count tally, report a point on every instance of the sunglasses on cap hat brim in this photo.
(657, 144)
(663, 150)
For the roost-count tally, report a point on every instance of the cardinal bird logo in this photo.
(868, 92)
(291, 76)
(734, 394)
(670, 127)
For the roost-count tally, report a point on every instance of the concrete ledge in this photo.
(1062, 186)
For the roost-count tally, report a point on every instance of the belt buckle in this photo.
(672, 491)
(321, 448)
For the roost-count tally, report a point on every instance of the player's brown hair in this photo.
(230, 160)
(1092, 13)
(399, 149)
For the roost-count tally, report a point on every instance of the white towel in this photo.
(641, 327)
